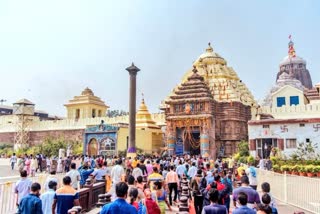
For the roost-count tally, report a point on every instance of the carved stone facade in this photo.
(221, 120)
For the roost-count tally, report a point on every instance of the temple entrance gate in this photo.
(101, 140)
(93, 147)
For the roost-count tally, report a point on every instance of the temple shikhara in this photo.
(208, 113)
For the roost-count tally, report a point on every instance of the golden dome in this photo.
(87, 92)
(209, 57)
(143, 118)
(87, 97)
(223, 81)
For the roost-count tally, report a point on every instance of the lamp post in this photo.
(133, 70)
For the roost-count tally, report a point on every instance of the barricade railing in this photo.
(299, 191)
(7, 191)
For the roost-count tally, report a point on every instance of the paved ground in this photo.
(5, 169)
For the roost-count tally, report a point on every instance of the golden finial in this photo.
(142, 94)
(209, 49)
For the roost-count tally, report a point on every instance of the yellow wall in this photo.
(286, 92)
(148, 140)
(85, 110)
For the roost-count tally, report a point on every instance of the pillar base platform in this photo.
(131, 155)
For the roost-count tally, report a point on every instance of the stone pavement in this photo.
(282, 209)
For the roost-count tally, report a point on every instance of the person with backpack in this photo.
(266, 200)
(214, 207)
(222, 189)
(252, 175)
(196, 192)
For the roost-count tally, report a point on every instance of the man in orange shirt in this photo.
(172, 180)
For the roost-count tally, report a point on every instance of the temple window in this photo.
(294, 100)
(265, 126)
(291, 143)
(281, 101)
(77, 113)
(93, 113)
(99, 113)
(201, 107)
(301, 125)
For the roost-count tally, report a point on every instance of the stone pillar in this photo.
(204, 145)
(133, 70)
(171, 143)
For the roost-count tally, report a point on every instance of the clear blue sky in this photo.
(51, 50)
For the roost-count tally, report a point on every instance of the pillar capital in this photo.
(133, 70)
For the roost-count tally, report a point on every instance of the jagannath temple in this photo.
(208, 112)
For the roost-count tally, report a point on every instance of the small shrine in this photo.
(101, 140)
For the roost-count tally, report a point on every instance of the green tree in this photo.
(243, 148)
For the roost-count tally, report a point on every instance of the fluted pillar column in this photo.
(133, 70)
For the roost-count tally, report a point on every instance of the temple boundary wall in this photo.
(292, 112)
(10, 125)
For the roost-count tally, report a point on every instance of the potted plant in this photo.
(284, 168)
(302, 170)
(309, 170)
(289, 169)
(295, 170)
(276, 168)
(317, 171)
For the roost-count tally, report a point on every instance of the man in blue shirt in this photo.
(31, 203)
(243, 208)
(65, 197)
(47, 197)
(84, 171)
(119, 206)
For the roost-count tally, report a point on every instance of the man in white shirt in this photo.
(13, 160)
(116, 174)
(180, 169)
(74, 175)
(176, 161)
(192, 170)
(136, 172)
(252, 175)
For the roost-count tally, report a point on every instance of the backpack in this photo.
(199, 186)
(142, 209)
(153, 209)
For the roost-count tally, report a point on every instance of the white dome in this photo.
(292, 60)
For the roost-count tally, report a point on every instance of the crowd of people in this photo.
(149, 185)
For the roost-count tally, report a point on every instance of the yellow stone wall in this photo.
(148, 140)
(85, 110)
